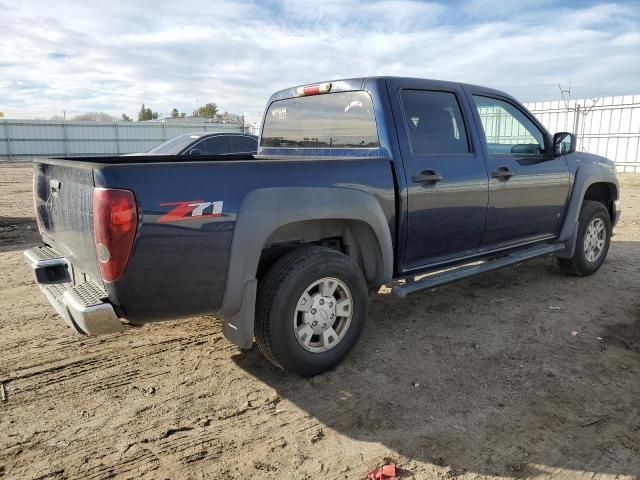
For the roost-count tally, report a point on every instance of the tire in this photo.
(583, 262)
(285, 330)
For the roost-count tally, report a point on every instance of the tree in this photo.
(175, 113)
(210, 110)
(228, 117)
(94, 117)
(126, 118)
(146, 113)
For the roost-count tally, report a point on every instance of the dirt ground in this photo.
(479, 379)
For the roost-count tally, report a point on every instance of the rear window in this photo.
(335, 120)
(175, 145)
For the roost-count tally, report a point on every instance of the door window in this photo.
(507, 129)
(243, 144)
(213, 146)
(434, 122)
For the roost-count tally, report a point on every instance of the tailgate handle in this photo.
(55, 186)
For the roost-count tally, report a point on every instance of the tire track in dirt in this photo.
(475, 380)
(49, 374)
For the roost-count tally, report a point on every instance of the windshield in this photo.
(175, 145)
(335, 120)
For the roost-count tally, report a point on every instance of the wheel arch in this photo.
(590, 183)
(603, 192)
(353, 237)
(271, 216)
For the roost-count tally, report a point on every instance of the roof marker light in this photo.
(313, 89)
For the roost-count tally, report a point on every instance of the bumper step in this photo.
(36, 254)
(83, 307)
(49, 267)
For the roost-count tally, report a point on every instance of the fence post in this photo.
(164, 131)
(64, 135)
(117, 138)
(6, 129)
(576, 120)
(576, 126)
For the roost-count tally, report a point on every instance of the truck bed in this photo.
(145, 158)
(178, 267)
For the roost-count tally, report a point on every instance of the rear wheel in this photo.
(311, 308)
(592, 243)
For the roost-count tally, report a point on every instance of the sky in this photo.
(84, 56)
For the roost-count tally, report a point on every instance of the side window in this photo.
(242, 144)
(213, 146)
(507, 129)
(434, 122)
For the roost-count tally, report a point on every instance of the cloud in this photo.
(59, 55)
(114, 56)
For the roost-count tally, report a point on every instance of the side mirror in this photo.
(195, 151)
(564, 143)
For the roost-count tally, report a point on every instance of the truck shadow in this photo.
(17, 233)
(516, 373)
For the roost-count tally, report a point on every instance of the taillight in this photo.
(115, 220)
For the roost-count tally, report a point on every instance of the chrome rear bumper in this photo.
(85, 306)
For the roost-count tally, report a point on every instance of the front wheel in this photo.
(311, 308)
(592, 243)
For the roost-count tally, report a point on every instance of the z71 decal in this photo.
(190, 210)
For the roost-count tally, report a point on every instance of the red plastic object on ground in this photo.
(386, 472)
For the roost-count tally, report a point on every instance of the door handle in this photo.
(427, 176)
(502, 173)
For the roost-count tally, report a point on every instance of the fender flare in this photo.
(265, 210)
(585, 176)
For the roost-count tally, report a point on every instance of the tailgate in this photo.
(63, 192)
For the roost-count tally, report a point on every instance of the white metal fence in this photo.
(23, 139)
(608, 126)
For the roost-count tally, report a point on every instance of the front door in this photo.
(445, 172)
(528, 185)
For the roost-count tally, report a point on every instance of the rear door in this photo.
(528, 186)
(445, 170)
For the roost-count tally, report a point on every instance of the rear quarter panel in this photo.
(179, 268)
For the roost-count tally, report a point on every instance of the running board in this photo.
(443, 277)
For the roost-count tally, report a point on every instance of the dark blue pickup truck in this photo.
(357, 183)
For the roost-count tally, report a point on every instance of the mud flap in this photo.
(238, 327)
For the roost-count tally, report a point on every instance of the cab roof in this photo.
(359, 83)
